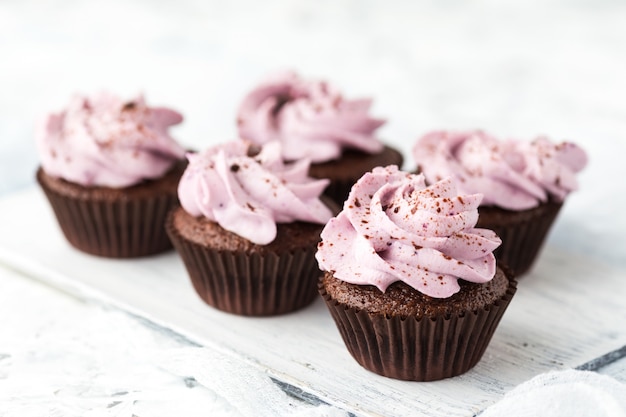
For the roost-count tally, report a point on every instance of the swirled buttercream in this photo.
(105, 141)
(247, 193)
(310, 118)
(394, 228)
(511, 174)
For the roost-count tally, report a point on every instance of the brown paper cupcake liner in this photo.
(417, 350)
(249, 284)
(115, 228)
(523, 233)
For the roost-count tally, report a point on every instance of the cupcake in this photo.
(412, 285)
(110, 169)
(313, 120)
(248, 227)
(524, 184)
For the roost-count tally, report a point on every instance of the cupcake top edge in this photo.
(395, 228)
(247, 189)
(103, 140)
(511, 174)
(311, 118)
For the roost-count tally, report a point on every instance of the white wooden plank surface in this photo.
(567, 312)
(616, 369)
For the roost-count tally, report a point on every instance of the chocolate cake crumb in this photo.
(403, 300)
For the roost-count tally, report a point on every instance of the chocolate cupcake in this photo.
(110, 171)
(313, 120)
(411, 284)
(524, 184)
(248, 227)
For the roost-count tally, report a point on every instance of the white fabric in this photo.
(563, 394)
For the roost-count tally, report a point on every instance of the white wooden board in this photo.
(567, 312)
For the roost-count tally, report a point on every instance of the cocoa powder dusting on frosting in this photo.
(427, 247)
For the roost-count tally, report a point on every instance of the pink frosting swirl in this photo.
(310, 118)
(394, 228)
(248, 194)
(105, 141)
(511, 174)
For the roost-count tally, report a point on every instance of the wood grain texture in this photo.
(616, 370)
(567, 312)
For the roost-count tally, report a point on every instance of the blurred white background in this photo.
(515, 68)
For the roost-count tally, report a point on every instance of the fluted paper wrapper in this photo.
(113, 228)
(522, 233)
(249, 284)
(417, 350)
